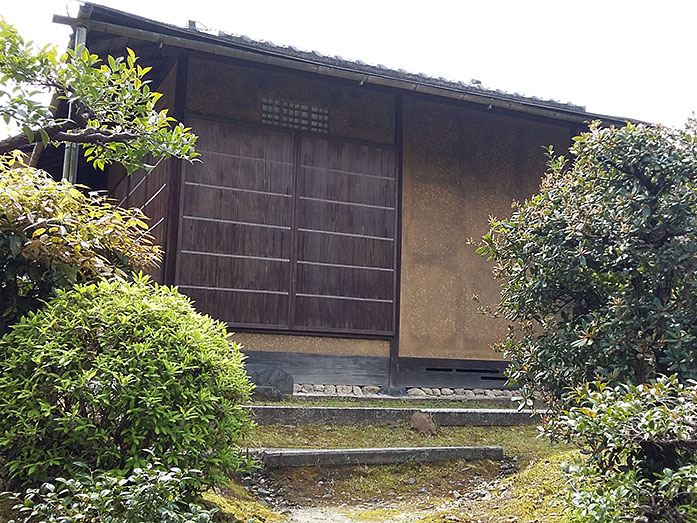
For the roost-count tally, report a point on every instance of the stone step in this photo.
(485, 401)
(291, 415)
(277, 458)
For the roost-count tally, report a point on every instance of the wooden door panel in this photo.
(341, 315)
(287, 231)
(351, 282)
(345, 237)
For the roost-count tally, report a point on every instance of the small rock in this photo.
(307, 389)
(266, 393)
(412, 481)
(263, 492)
(357, 390)
(447, 392)
(329, 390)
(456, 494)
(273, 377)
(415, 392)
(423, 423)
(296, 388)
(500, 393)
(423, 491)
(469, 394)
(371, 389)
(452, 518)
(429, 392)
(459, 392)
(479, 392)
(318, 388)
(327, 496)
(436, 391)
(490, 394)
(344, 389)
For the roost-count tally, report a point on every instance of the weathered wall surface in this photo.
(236, 93)
(312, 344)
(460, 167)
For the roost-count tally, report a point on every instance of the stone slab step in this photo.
(292, 415)
(277, 458)
(479, 400)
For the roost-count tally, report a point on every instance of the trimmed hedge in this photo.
(114, 375)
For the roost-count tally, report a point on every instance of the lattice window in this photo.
(294, 115)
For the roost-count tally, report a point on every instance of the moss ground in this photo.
(534, 495)
(516, 441)
(235, 504)
(369, 491)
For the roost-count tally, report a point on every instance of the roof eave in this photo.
(196, 41)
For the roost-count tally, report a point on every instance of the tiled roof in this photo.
(291, 57)
(474, 86)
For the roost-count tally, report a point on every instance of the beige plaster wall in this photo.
(460, 167)
(312, 344)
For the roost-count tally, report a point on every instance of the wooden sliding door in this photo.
(285, 231)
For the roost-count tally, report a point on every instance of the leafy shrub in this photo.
(52, 236)
(113, 111)
(146, 496)
(599, 269)
(106, 371)
(643, 451)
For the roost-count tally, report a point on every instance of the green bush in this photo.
(599, 269)
(53, 236)
(146, 496)
(108, 371)
(642, 443)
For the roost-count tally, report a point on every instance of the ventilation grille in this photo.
(294, 115)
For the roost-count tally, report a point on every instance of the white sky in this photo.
(618, 57)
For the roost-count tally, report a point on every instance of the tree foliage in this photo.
(598, 270)
(147, 495)
(117, 374)
(53, 235)
(113, 114)
(642, 464)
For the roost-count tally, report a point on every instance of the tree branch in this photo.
(96, 136)
(20, 140)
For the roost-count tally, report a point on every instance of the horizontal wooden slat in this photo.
(348, 158)
(219, 271)
(242, 173)
(239, 308)
(265, 209)
(230, 238)
(337, 281)
(355, 315)
(363, 221)
(316, 247)
(341, 186)
(241, 141)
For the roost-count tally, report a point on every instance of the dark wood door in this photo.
(236, 238)
(288, 232)
(346, 224)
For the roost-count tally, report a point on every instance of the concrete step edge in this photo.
(295, 415)
(292, 457)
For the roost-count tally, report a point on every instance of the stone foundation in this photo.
(412, 392)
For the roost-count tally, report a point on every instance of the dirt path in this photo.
(380, 514)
